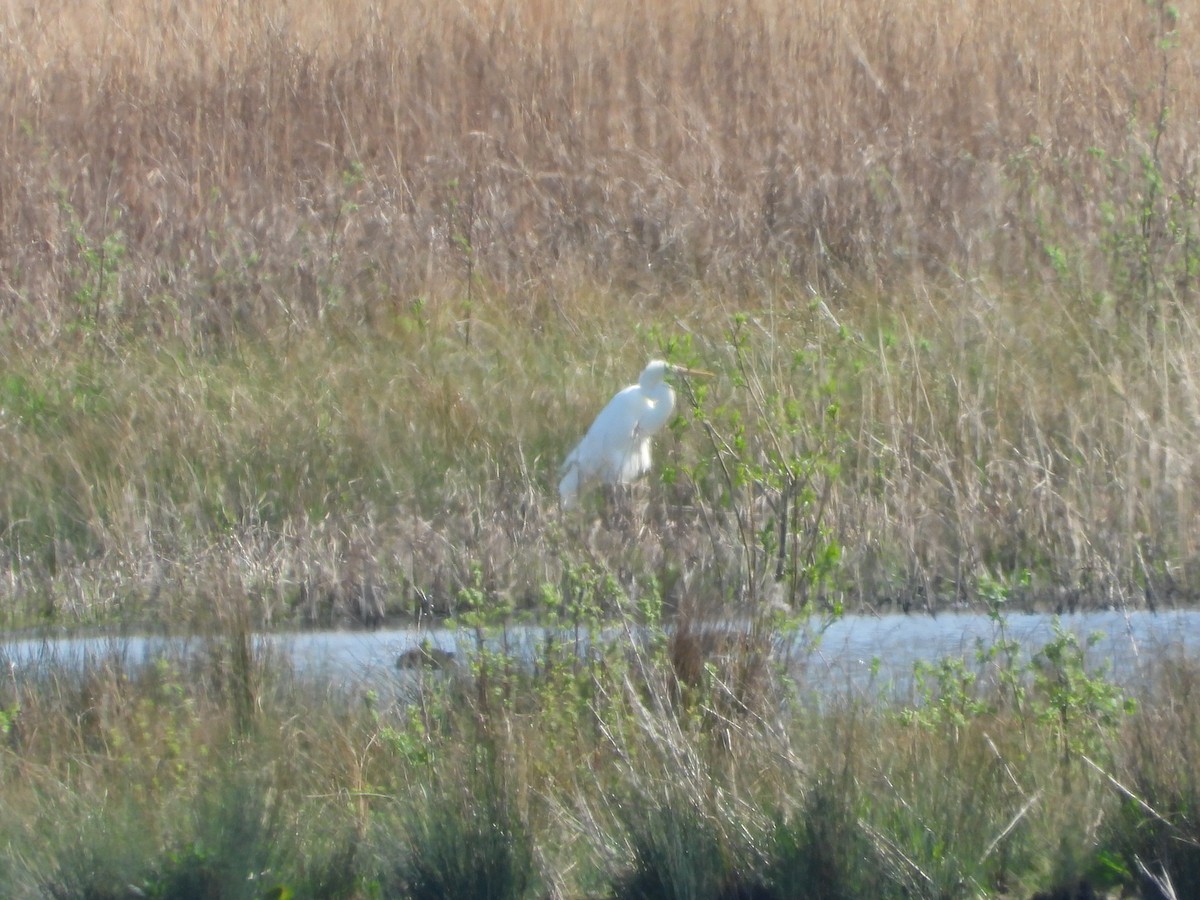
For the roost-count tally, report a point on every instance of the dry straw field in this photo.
(304, 302)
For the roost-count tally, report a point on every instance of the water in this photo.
(859, 651)
(853, 654)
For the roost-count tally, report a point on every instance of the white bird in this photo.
(616, 449)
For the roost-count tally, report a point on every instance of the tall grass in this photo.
(939, 459)
(306, 305)
(278, 162)
(492, 779)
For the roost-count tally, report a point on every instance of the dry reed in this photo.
(317, 295)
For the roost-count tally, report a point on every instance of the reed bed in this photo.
(610, 772)
(308, 303)
(267, 164)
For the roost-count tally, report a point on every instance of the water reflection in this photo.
(857, 651)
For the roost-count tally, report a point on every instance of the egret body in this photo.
(616, 449)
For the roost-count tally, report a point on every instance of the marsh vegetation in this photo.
(303, 304)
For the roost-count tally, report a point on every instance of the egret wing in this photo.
(621, 444)
(612, 450)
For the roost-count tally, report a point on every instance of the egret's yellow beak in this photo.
(695, 373)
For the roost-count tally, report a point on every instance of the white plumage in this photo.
(616, 449)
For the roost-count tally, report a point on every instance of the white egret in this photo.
(616, 449)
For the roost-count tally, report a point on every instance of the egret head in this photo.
(654, 374)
